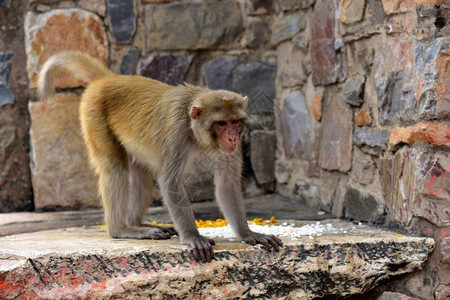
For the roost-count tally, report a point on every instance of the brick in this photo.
(353, 89)
(262, 155)
(362, 208)
(363, 167)
(63, 29)
(371, 141)
(397, 6)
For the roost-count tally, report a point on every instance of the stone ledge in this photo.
(86, 263)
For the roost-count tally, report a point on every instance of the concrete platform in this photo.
(84, 263)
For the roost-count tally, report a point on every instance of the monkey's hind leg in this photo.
(141, 192)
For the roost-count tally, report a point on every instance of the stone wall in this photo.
(349, 101)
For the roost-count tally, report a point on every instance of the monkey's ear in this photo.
(246, 98)
(196, 112)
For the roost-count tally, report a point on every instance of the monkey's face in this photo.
(228, 133)
(218, 120)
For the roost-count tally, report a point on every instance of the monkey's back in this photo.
(138, 112)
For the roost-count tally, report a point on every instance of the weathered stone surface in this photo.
(397, 6)
(363, 168)
(296, 127)
(130, 61)
(6, 94)
(87, 263)
(362, 208)
(326, 62)
(59, 162)
(260, 7)
(352, 91)
(442, 292)
(201, 25)
(371, 141)
(287, 26)
(351, 11)
(433, 133)
(416, 183)
(445, 249)
(255, 80)
(394, 296)
(336, 142)
(262, 155)
(160, 1)
(395, 80)
(292, 70)
(167, 68)
(362, 118)
(122, 19)
(316, 108)
(295, 4)
(257, 33)
(63, 29)
(432, 67)
(307, 191)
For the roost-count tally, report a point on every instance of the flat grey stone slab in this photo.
(259, 207)
(87, 263)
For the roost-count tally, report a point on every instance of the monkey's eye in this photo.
(236, 121)
(221, 123)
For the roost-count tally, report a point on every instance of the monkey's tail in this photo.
(79, 64)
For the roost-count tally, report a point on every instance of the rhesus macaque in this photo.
(135, 127)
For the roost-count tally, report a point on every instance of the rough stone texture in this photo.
(122, 19)
(130, 61)
(336, 142)
(15, 178)
(6, 95)
(442, 292)
(257, 33)
(87, 263)
(326, 62)
(363, 168)
(255, 80)
(296, 127)
(362, 118)
(169, 68)
(432, 66)
(435, 134)
(416, 183)
(81, 30)
(61, 174)
(362, 208)
(292, 70)
(202, 25)
(295, 4)
(371, 141)
(445, 250)
(260, 7)
(397, 6)
(351, 11)
(262, 155)
(316, 108)
(394, 296)
(287, 26)
(352, 90)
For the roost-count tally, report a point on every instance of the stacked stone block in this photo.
(349, 101)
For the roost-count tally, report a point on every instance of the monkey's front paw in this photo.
(267, 241)
(201, 247)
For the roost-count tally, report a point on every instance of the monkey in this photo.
(136, 127)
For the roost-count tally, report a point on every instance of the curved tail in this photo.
(79, 64)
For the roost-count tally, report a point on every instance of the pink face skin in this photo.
(228, 132)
